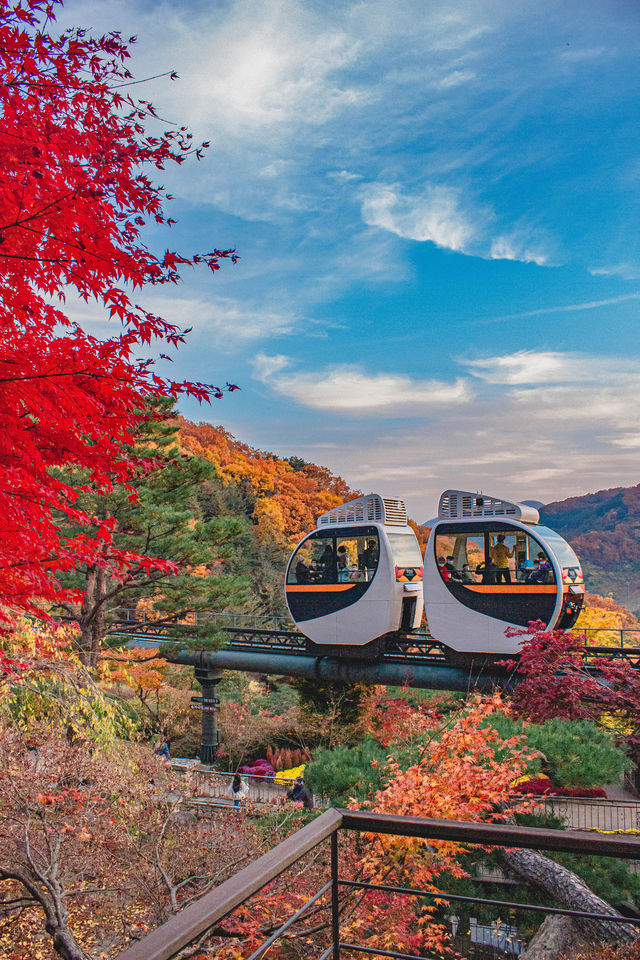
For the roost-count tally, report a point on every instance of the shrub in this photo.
(578, 753)
(543, 786)
(347, 772)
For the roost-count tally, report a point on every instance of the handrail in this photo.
(165, 941)
(489, 834)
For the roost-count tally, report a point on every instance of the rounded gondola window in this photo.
(508, 556)
(334, 558)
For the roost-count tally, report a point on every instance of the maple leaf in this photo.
(74, 196)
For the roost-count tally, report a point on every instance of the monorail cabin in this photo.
(356, 578)
(490, 565)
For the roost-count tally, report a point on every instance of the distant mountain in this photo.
(604, 530)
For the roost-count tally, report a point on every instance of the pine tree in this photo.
(162, 519)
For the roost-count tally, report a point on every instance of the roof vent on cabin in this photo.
(462, 505)
(369, 509)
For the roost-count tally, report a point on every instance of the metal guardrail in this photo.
(168, 940)
(579, 813)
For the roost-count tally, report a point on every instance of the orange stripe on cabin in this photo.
(320, 588)
(511, 588)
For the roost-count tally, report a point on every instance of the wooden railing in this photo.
(167, 941)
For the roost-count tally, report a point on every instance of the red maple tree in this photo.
(75, 194)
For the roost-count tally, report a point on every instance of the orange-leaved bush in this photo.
(464, 773)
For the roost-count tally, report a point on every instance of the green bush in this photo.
(347, 772)
(578, 753)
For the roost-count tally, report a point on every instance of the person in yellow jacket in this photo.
(500, 554)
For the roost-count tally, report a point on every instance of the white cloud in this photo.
(526, 366)
(350, 390)
(225, 322)
(436, 215)
(515, 248)
(630, 441)
(456, 78)
(625, 269)
(265, 366)
(546, 367)
(447, 217)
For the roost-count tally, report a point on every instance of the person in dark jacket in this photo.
(296, 789)
(301, 794)
(163, 750)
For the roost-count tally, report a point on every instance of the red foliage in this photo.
(543, 786)
(557, 683)
(74, 195)
(554, 682)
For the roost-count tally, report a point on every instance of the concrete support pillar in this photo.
(210, 741)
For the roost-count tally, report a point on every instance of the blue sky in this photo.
(436, 208)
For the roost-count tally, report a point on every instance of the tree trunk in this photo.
(571, 893)
(555, 938)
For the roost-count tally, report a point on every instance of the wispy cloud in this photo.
(436, 215)
(351, 390)
(566, 308)
(448, 217)
(525, 366)
(545, 367)
(625, 269)
(227, 324)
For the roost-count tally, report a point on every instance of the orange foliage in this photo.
(394, 719)
(422, 533)
(288, 499)
(457, 778)
(613, 615)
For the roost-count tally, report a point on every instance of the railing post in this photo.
(335, 891)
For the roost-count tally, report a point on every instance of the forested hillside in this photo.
(283, 497)
(278, 500)
(604, 530)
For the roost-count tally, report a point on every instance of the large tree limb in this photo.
(570, 892)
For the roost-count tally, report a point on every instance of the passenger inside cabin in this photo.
(327, 565)
(444, 572)
(487, 571)
(453, 570)
(542, 571)
(526, 568)
(500, 554)
(466, 574)
(343, 558)
(303, 573)
(369, 558)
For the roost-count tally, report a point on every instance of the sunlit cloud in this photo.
(437, 215)
(351, 390)
(447, 217)
(525, 366)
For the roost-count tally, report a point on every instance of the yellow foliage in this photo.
(286, 775)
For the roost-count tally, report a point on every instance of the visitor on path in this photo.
(163, 750)
(296, 789)
(301, 794)
(238, 790)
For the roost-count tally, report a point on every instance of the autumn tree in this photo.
(97, 844)
(464, 773)
(76, 192)
(556, 680)
(162, 520)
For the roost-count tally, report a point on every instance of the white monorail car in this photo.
(490, 565)
(356, 578)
